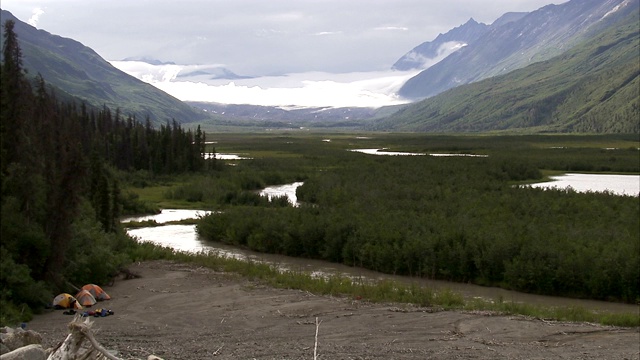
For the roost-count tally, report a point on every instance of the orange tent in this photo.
(97, 292)
(66, 301)
(85, 298)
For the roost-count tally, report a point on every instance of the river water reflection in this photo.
(167, 215)
(185, 238)
(288, 190)
(384, 152)
(616, 184)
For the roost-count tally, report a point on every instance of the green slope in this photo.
(592, 88)
(80, 72)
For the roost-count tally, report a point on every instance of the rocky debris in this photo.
(12, 339)
(29, 352)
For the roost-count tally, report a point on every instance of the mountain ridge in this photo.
(537, 36)
(79, 71)
(430, 51)
(594, 87)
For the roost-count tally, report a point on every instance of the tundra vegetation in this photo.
(69, 172)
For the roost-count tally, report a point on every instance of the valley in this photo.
(421, 226)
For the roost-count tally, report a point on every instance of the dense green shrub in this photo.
(21, 294)
(458, 219)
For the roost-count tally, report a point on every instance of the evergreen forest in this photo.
(61, 198)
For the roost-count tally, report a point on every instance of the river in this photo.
(616, 184)
(185, 238)
(384, 152)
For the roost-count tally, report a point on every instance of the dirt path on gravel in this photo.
(179, 311)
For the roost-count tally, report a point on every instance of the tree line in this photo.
(60, 195)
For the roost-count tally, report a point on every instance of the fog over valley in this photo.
(280, 53)
(310, 89)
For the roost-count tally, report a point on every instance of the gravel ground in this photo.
(180, 311)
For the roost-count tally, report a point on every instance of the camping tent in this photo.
(85, 298)
(97, 292)
(65, 301)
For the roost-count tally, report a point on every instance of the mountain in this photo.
(430, 52)
(79, 71)
(203, 73)
(594, 87)
(301, 116)
(148, 60)
(510, 45)
(508, 18)
(156, 70)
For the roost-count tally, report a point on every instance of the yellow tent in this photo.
(66, 301)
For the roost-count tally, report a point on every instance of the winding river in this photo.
(185, 238)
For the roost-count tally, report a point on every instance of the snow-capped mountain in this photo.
(431, 52)
(517, 40)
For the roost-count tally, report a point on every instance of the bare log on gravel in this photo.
(72, 347)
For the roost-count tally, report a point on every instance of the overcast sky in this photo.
(261, 37)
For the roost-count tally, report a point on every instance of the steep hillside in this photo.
(79, 71)
(430, 52)
(592, 88)
(538, 36)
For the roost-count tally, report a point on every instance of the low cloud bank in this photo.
(443, 51)
(214, 83)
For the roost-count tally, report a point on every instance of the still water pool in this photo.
(615, 184)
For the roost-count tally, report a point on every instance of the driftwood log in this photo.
(74, 347)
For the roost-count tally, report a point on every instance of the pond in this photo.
(220, 156)
(384, 152)
(616, 184)
(399, 153)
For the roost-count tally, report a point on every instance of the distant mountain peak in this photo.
(591, 88)
(148, 60)
(209, 72)
(431, 52)
(516, 40)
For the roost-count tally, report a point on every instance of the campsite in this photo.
(87, 296)
(181, 311)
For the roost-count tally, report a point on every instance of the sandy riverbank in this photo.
(179, 311)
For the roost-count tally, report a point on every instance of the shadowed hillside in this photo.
(79, 71)
(538, 36)
(591, 88)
